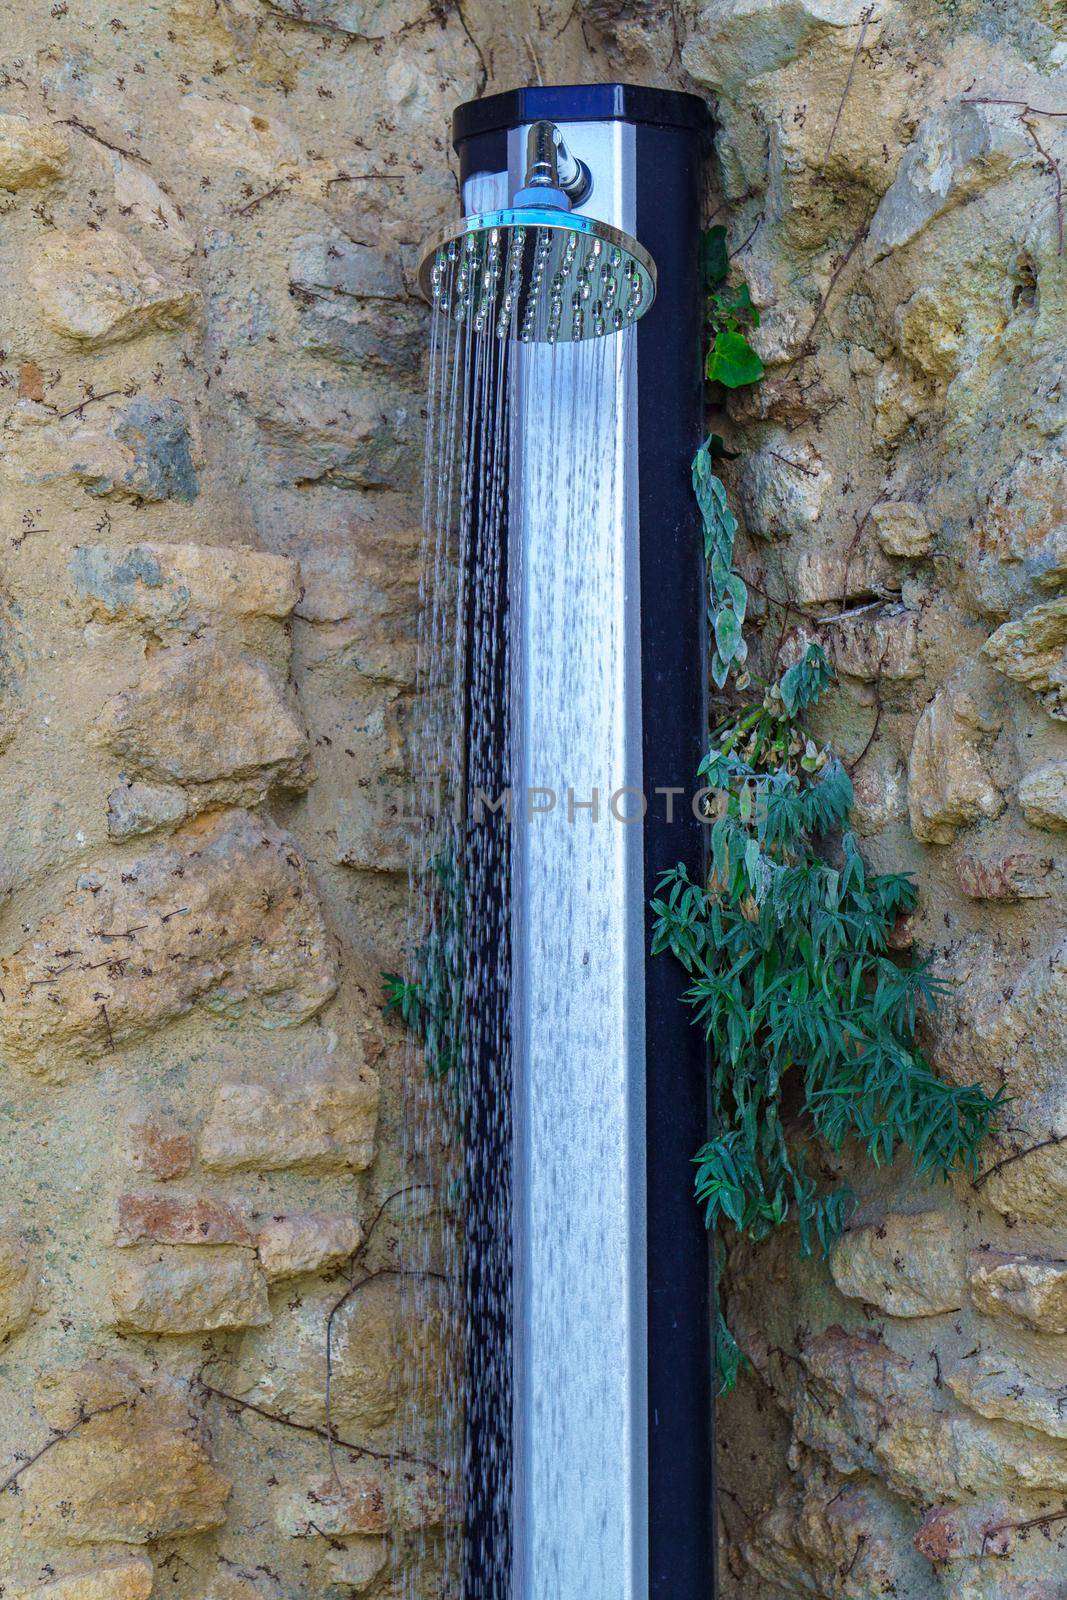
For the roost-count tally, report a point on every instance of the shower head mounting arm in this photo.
(550, 165)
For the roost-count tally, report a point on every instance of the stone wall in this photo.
(211, 375)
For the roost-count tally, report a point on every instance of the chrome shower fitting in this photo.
(550, 165)
(538, 271)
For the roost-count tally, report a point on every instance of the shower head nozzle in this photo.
(538, 273)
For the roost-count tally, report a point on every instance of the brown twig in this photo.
(994, 100)
(259, 199)
(357, 177)
(808, 348)
(57, 1438)
(1052, 166)
(91, 133)
(853, 767)
(316, 1432)
(353, 1289)
(1025, 112)
(90, 400)
(797, 466)
(483, 66)
(1045, 1521)
(745, 244)
(865, 16)
(853, 546)
(107, 1025)
(1017, 1155)
(35, 983)
(861, 1540)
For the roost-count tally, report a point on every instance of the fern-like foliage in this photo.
(787, 946)
(430, 1002)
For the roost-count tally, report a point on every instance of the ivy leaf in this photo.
(735, 588)
(727, 633)
(732, 360)
(714, 258)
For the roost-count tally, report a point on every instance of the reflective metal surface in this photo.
(540, 275)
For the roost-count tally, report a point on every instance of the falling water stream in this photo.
(513, 1103)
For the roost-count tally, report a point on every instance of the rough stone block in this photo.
(991, 1385)
(1034, 1187)
(870, 1409)
(237, 137)
(958, 151)
(355, 1563)
(142, 453)
(31, 153)
(327, 433)
(363, 19)
(1008, 1024)
(907, 1263)
(878, 645)
(132, 1469)
(1043, 796)
(783, 490)
(730, 44)
(364, 1500)
(1022, 534)
(352, 306)
(138, 808)
(845, 574)
(19, 1277)
(948, 782)
(289, 1246)
(204, 718)
(148, 1217)
(383, 1358)
(158, 1146)
(1027, 1289)
(97, 288)
(323, 1118)
(1033, 651)
(153, 460)
(128, 1579)
(181, 589)
(181, 1289)
(901, 528)
(226, 919)
(361, 590)
(331, 264)
(951, 1533)
(1014, 875)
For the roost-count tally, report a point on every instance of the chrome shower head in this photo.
(538, 275)
(536, 271)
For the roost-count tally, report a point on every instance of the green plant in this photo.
(788, 948)
(730, 359)
(430, 1003)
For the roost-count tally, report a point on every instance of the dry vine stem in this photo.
(316, 1432)
(58, 1437)
(1025, 113)
(1017, 1155)
(352, 1290)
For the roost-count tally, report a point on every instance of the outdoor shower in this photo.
(563, 670)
